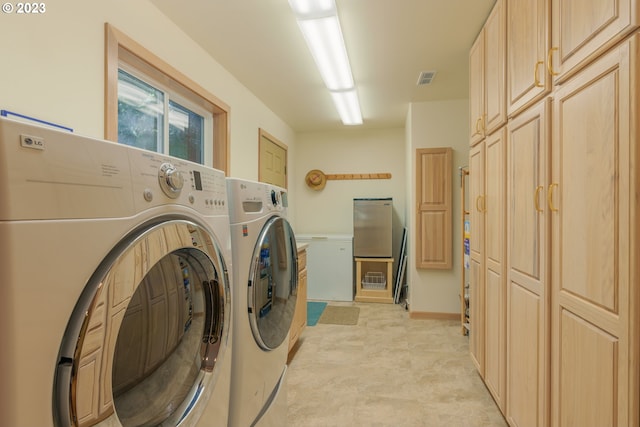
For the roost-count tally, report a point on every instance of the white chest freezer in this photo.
(329, 266)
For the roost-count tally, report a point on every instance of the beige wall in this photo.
(352, 151)
(436, 124)
(53, 69)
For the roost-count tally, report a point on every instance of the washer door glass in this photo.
(273, 283)
(147, 333)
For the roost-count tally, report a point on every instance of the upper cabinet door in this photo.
(583, 29)
(527, 50)
(487, 73)
(495, 107)
(476, 90)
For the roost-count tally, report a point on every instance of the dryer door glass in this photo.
(155, 328)
(273, 283)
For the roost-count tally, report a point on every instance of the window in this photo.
(153, 118)
(153, 106)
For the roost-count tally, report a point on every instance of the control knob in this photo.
(171, 180)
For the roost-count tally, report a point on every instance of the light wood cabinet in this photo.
(527, 291)
(487, 286)
(528, 46)
(495, 277)
(487, 72)
(433, 217)
(495, 106)
(572, 344)
(593, 199)
(476, 258)
(299, 321)
(374, 280)
(583, 29)
(488, 116)
(476, 89)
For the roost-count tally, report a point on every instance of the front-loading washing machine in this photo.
(115, 298)
(265, 288)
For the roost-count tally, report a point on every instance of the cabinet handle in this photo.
(535, 74)
(477, 132)
(536, 196)
(550, 61)
(478, 208)
(550, 197)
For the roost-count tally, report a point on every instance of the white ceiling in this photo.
(389, 42)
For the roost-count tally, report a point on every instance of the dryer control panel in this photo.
(252, 199)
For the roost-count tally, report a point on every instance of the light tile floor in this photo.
(388, 370)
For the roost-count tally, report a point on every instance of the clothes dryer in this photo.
(115, 298)
(265, 271)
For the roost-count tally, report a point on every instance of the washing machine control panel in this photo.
(160, 179)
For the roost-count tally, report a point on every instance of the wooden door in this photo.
(593, 203)
(583, 29)
(495, 283)
(527, 49)
(273, 160)
(476, 263)
(476, 90)
(527, 293)
(495, 107)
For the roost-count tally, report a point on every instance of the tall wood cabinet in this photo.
(527, 289)
(476, 256)
(494, 273)
(487, 166)
(593, 199)
(570, 354)
(487, 262)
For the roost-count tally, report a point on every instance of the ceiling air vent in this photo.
(426, 77)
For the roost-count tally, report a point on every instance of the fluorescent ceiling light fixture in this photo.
(305, 9)
(319, 23)
(348, 107)
(324, 39)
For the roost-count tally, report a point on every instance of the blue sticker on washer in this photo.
(245, 230)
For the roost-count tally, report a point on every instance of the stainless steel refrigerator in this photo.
(372, 228)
